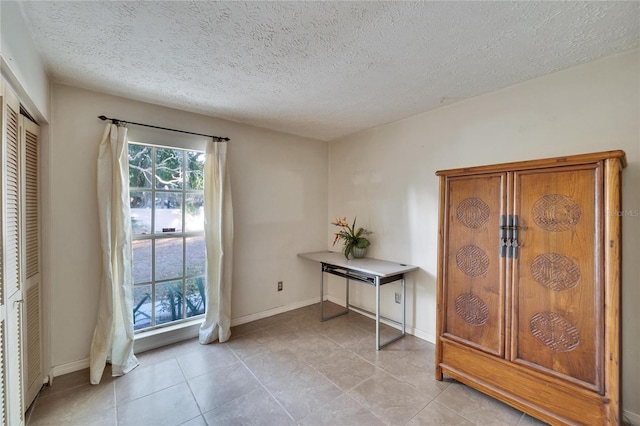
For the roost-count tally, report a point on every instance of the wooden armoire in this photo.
(529, 284)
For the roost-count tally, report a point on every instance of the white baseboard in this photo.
(275, 311)
(335, 300)
(429, 337)
(174, 334)
(190, 330)
(631, 418)
(67, 368)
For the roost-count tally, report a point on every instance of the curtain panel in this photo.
(113, 336)
(218, 228)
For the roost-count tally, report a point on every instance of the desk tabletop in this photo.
(367, 265)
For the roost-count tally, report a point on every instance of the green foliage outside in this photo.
(174, 171)
(174, 168)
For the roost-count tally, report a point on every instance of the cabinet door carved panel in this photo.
(476, 296)
(557, 289)
(528, 290)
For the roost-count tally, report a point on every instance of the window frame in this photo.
(153, 236)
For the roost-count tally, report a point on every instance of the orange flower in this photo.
(340, 221)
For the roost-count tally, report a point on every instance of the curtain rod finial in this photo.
(102, 117)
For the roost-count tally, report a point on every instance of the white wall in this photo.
(386, 177)
(21, 62)
(279, 189)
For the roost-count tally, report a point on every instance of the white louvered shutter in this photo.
(34, 375)
(13, 295)
(3, 310)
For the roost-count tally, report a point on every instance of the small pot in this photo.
(358, 252)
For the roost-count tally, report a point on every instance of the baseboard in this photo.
(335, 300)
(275, 311)
(174, 334)
(190, 330)
(67, 368)
(631, 418)
(429, 337)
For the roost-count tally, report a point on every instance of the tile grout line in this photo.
(157, 390)
(267, 390)
(344, 392)
(191, 390)
(315, 351)
(378, 368)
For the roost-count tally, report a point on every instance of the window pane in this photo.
(140, 203)
(168, 258)
(195, 170)
(196, 256)
(169, 168)
(194, 212)
(141, 261)
(139, 166)
(195, 296)
(168, 212)
(141, 307)
(166, 200)
(168, 302)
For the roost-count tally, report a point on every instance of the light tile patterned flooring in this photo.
(283, 370)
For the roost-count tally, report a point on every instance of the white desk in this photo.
(374, 272)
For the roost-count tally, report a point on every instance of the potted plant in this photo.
(355, 243)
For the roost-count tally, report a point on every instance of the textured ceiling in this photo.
(319, 69)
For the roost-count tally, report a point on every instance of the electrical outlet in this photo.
(398, 295)
(279, 285)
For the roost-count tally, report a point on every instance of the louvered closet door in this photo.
(3, 306)
(558, 290)
(13, 294)
(474, 271)
(30, 133)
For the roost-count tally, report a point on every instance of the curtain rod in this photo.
(117, 121)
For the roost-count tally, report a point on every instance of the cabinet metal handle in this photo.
(509, 234)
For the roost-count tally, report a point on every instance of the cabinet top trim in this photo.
(545, 162)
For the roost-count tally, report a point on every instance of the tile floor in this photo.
(289, 369)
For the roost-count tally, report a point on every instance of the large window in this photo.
(167, 221)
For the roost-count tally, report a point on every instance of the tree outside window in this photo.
(167, 220)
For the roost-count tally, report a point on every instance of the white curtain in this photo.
(113, 337)
(218, 230)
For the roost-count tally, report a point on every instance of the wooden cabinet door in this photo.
(473, 270)
(557, 285)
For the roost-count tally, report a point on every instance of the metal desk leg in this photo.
(347, 295)
(403, 324)
(377, 282)
(322, 317)
(404, 306)
(321, 292)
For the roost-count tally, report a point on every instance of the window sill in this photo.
(157, 338)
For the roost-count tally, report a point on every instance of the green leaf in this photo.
(362, 243)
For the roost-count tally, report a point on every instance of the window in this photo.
(167, 220)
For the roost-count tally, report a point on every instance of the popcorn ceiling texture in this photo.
(319, 69)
